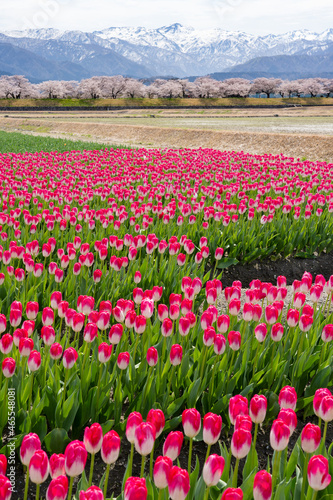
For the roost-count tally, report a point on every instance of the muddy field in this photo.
(305, 133)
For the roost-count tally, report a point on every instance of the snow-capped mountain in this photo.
(175, 50)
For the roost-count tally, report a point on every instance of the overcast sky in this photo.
(251, 16)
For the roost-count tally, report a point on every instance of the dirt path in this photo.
(309, 146)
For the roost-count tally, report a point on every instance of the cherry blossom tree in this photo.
(57, 89)
(206, 87)
(16, 87)
(90, 88)
(265, 86)
(134, 88)
(235, 87)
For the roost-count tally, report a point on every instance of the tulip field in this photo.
(117, 332)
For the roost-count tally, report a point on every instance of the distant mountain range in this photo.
(175, 50)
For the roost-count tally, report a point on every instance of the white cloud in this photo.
(252, 16)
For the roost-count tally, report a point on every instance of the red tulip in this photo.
(57, 465)
(123, 360)
(135, 489)
(173, 444)
(232, 494)
(238, 405)
(260, 332)
(244, 422)
(8, 367)
(144, 438)
(176, 354)
(288, 397)
(178, 483)
(110, 447)
(5, 488)
(234, 339)
(70, 357)
(277, 332)
(133, 421)
(258, 408)
(152, 356)
(38, 467)
(318, 397)
(327, 333)
(93, 437)
(318, 473)
(162, 469)
(292, 317)
(6, 343)
(212, 425)
(325, 411)
(167, 327)
(56, 351)
(3, 465)
(90, 332)
(310, 438)
(262, 487)
(34, 361)
(191, 420)
(289, 417)
(241, 442)
(75, 458)
(104, 352)
(32, 309)
(92, 493)
(156, 417)
(58, 488)
(279, 436)
(213, 470)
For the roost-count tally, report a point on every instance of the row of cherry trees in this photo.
(17, 87)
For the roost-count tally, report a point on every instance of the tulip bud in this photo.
(289, 417)
(30, 444)
(152, 356)
(92, 493)
(34, 361)
(232, 494)
(134, 419)
(173, 444)
(191, 420)
(176, 354)
(70, 357)
(238, 405)
(104, 352)
(38, 467)
(162, 468)
(178, 483)
(212, 425)
(75, 458)
(241, 442)
(213, 470)
(93, 437)
(8, 367)
(123, 360)
(3, 465)
(258, 408)
(288, 397)
(318, 473)
(57, 465)
(279, 435)
(144, 438)
(5, 488)
(156, 417)
(310, 438)
(262, 486)
(110, 447)
(135, 489)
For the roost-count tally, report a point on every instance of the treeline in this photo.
(19, 87)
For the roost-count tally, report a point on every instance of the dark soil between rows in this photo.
(267, 270)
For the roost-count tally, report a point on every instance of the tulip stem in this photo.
(98, 391)
(143, 461)
(254, 442)
(64, 389)
(271, 375)
(107, 479)
(322, 354)
(203, 362)
(131, 460)
(71, 481)
(91, 468)
(207, 493)
(30, 395)
(151, 462)
(160, 494)
(305, 470)
(324, 434)
(275, 469)
(235, 476)
(208, 451)
(190, 456)
(26, 484)
(255, 360)
(314, 495)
